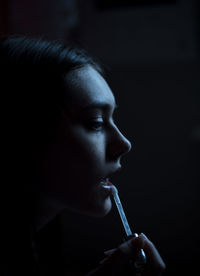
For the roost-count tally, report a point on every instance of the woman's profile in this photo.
(60, 144)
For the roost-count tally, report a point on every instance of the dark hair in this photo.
(32, 96)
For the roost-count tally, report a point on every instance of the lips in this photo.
(106, 182)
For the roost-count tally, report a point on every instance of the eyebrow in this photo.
(100, 105)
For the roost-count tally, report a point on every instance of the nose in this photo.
(118, 144)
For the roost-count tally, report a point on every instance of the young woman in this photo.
(59, 146)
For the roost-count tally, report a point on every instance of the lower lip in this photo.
(106, 186)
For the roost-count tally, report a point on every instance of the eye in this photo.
(96, 125)
(99, 123)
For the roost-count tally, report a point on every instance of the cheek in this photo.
(86, 147)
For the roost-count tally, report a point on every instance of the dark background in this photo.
(151, 50)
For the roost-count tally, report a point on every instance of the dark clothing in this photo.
(41, 257)
(47, 250)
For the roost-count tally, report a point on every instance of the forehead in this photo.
(86, 86)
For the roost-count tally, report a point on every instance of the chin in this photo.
(97, 207)
(99, 210)
(105, 208)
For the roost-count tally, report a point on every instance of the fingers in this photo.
(131, 247)
(154, 261)
(117, 260)
(126, 251)
(118, 257)
(109, 252)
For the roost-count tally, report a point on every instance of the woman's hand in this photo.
(117, 261)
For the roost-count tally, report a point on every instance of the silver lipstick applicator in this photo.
(140, 260)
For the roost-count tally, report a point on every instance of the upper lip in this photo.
(111, 173)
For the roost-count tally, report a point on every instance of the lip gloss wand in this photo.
(140, 260)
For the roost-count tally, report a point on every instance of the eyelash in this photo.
(96, 125)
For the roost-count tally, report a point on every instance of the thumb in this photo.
(131, 247)
(123, 253)
(109, 252)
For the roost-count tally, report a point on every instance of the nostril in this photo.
(118, 150)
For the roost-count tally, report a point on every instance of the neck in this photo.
(46, 209)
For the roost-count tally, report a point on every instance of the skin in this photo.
(88, 147)
(118, 259)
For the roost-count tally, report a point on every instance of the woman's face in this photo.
(88, 146)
